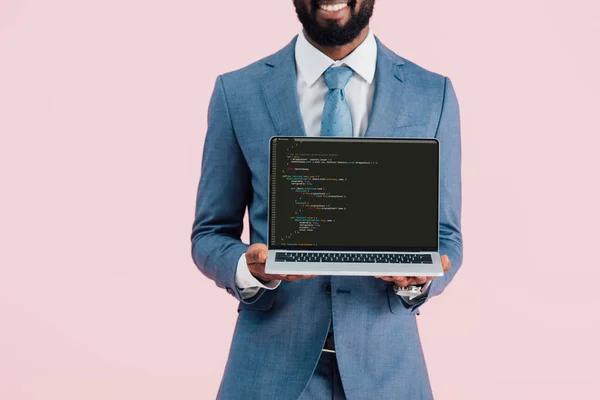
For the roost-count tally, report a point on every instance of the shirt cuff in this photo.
(245, 280)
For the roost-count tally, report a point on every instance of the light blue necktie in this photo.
(336, 120)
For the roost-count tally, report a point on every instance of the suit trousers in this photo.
(325, 383)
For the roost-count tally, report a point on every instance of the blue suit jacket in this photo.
(279, 334)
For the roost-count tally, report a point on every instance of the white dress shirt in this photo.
(312, 92)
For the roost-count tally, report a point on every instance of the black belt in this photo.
(329, 346)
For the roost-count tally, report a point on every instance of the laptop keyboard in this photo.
(353, 258)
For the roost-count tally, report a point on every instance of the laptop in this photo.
(353, 206)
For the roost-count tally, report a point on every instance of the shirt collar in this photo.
(311, 63)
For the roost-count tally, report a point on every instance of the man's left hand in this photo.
(403, 281)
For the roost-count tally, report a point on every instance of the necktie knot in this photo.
(337, 77)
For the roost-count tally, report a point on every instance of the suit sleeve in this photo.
(223, 194)
(450, 243)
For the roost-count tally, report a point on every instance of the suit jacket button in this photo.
(327, 288)
(230, 291)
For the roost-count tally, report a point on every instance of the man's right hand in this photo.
(256, 256)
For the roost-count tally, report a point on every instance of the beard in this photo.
(334, 34)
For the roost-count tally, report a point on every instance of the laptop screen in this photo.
(353, 194)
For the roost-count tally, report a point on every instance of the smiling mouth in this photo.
(333, 7)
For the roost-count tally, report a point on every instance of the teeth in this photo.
(334, 7)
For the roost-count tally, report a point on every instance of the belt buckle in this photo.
(329, 346)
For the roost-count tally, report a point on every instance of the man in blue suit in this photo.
(307, 337)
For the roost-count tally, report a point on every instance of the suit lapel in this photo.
(390, 94)
(281, 95)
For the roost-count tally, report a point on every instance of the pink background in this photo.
(102, 116)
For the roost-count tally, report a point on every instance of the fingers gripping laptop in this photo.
(353, 206)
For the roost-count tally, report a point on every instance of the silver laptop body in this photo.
(353, 206)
